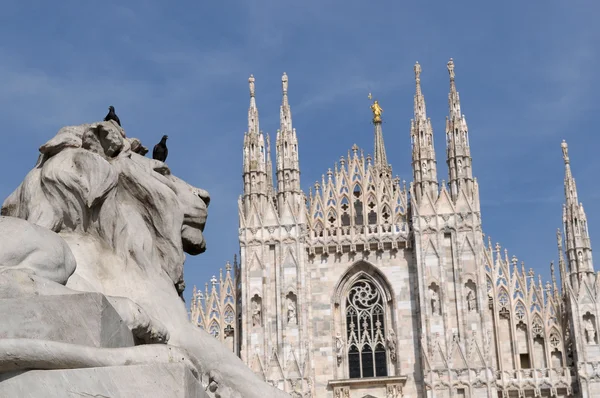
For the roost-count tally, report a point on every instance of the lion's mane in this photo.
(88, 180)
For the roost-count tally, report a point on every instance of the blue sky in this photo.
(527, 72)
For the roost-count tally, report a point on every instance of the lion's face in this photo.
(89, 181)
(194, 203)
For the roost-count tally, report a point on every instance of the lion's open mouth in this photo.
(192, 240)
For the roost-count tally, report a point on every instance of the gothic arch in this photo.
(214, 328)
(520, 311)
(291, 289)
(470, 276)
(229, 315)
(358, 270)
(364, 327)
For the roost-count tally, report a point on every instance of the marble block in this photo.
(87, 319)
(155, 380)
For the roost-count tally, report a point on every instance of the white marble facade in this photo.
(368, 287)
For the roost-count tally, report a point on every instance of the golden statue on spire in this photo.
(377, 110)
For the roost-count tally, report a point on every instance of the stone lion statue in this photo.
(94, 215)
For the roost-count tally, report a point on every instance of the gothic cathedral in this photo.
(367, 288)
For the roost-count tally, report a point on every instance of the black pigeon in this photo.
(161, 151)
(112, 115)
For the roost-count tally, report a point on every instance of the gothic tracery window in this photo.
(365, 330)
(214, 329)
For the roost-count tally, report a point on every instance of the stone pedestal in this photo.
(156, 381)
(86, 319)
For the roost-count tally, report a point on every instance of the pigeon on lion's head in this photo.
(128, 222)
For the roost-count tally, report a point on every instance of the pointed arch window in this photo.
(331, 218)
(365, 330)
(358, 206)
(372, 215)
(229, 316)
(214, 329)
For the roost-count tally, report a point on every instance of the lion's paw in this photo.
(146, 329)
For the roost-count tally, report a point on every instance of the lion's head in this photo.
(91, 180)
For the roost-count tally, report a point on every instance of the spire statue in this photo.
(251, 83)
(284, 83)
(417, 71)
(376, 109)
(565, 151)
(450, 66)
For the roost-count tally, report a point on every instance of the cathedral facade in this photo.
(368, 287)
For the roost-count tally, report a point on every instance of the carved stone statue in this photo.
(424, 170)
(455, 337)
(450, 67)
(435, 303)
(459, 166)
(565, 151)
(291, 311)
(251, 83)
(590, 331)
(339, 348)
(109, 225)
(471, 301)
(391, 344)
(284, 82)
(393, 391)
(256, 313)
(417, 70)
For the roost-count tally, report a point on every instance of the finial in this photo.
(450, 67)
(565, 151)
(227, 266)
(213, 281)
(284, 83)
(417, 69)
(251, 82)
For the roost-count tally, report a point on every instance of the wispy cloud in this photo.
(183, 68)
